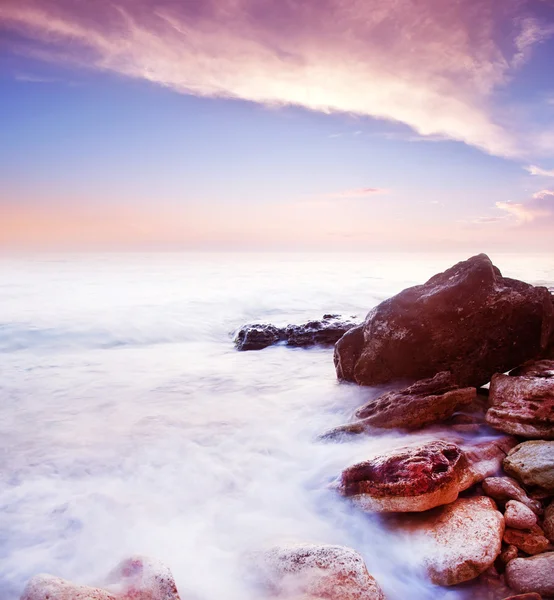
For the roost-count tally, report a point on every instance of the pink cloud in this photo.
(430, 64)
(534, 170)
(540, 207)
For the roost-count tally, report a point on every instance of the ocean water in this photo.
(129, 424)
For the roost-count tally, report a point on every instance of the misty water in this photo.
(129, 424)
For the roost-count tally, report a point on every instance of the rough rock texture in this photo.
(413, 478)
(531, 596)
(47, 587)
(519, 516)
(468, 320)
(317, 572)
(315, 333)
(522, 405)
(468, 538)
(486, 458)
(533, 574)
(506, 488)
(530, 542)
(532, 463)
(548, 524)
(138, 578)
(535, 368)
(143, 578)
(425, 402)
(508, 554)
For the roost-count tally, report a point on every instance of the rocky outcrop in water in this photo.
(314, 572)
(469, 320)
(523, 405)
(138, 578)
(325, 332)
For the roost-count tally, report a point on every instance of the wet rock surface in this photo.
(469, 320)
(533, 574)
(314, 572)
(523, 405)
(409, 479)
(532, 463)
(467, 537)
(324, 332)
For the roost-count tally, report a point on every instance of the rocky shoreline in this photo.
(486, 508)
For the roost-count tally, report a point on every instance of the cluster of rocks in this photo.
(487, 508)
(324, 332)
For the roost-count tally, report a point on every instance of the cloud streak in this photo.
(534, 170)
(431, 65)
(540, 208)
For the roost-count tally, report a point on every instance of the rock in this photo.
(548, 524)
(314, 333)
(486, 458)
(48, 587)
(257, 336)
(506, 488)
(519, 516)
(467, 536)
(469, 320)
(531, 596)
(530, 542)
(532, 463)
(317, 572)
(143, 578)
(408, 479)
(425, 402)
(533, 574)
(138, 578)
(508, 554)
(522, 405)
(535, 368)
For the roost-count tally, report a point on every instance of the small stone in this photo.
(533, 574)
(530, 542)
(519, 516)
(506, 488)
(508, 554)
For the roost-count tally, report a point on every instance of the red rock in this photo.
(486, 458)
(506, 488)
(530, 542)
(467, 536)
(548, 524)
(531, 596)
(48, 587)
(519, 516)
(535, 368)
(533, 574)
(508, 554)
(469, 320)
(522, 406)
(318, 572)
(409, 479)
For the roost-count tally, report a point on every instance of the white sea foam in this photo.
(130, 425)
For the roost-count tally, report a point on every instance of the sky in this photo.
(277, 125)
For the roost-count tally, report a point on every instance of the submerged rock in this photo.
(533, 574)
(314, 333)
(532, 463)
(523, 405)
(468, 320)
(138, 578)
(48, 587)
(317, 572)
(418, 478)
(467, 537)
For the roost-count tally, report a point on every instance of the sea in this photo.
(130, 424)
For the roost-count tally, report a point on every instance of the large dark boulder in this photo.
(469, 320)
